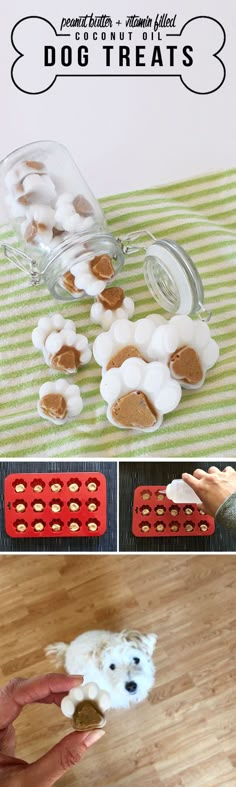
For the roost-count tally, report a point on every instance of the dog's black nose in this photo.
(131, 686)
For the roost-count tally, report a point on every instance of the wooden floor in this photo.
(184, 735)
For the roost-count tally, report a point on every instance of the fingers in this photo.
(191, 481)
(46, 688)
(229, 469)
(201, 508)
(199, 473)
(214, 470)
(63, 756)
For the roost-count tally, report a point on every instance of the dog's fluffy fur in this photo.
(92, 654)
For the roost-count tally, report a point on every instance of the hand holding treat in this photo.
(63, 349)
(45, 689)
(59, 401)
(86, 707)
(213, 487)
(112, 304)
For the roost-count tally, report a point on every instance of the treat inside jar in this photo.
(101, 267)
(68, 281)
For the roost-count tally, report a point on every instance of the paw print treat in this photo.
(38, 226)
(62, 348)
(186, 345)
(124, 340)
(86, 706)
(92, 275)
(59, 401)
(73, 214)
(139, 394)
(112, 304)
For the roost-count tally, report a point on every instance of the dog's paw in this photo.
(86, 707)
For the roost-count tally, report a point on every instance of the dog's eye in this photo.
(112, 666)
(136, 660)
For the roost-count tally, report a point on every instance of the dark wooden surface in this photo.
(105, 543)
(134, 474)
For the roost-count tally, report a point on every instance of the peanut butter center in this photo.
(67, 359)
(102, 267)
(112, 298)
(82, 206)
(87, 717)
(122, 355)
(69, 282)
(185, 364)
(134, 410)
(54, 406)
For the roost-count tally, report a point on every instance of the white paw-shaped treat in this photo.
(86, 706)
(139, 394)
(16, 175)
(92, 275)
(59, 401)
(28, 183)
(126, 339)
(63, 349)
(38, 227)
(187, 347)
(112, 304)
(73, 214)
(180, 492)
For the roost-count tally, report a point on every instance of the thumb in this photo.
(68, 752)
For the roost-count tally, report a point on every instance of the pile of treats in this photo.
(145, 364)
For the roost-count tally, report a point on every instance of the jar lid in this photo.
(172, 278)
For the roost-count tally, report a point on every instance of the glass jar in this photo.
(59, 224)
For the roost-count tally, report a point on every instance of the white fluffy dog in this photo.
(120, 663)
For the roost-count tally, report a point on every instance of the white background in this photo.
(125, 134)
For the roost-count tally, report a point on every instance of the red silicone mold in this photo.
(49, 505)
(155, 515)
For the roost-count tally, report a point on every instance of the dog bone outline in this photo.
(214, 54)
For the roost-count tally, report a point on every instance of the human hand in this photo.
(213, 487)
(48, 769)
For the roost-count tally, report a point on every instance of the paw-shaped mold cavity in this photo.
(19, 485)
(20, 506)
(112, 304)
(189, 527)
(160, 495)
(92, 504)
(37, 485)
(187, 347)
(59, 401)
(86, 706)
(203, 526)
(63, 349)
(73, 505)
(74, 485)
(126, 339)
(92, 525)
(145, 510)
(139, 394)
(20, 525)
(145, 527)
(160, 510)
(160, 527)
(39, 525)
(38, 505)
(92, 274)
(188, 510)
(56, 485)
(74, 525)
(56, 525)
(174, 510)
(56, 505)
(174, 527)
(146, 494)
(92, 484)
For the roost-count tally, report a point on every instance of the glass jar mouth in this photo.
(172, 278)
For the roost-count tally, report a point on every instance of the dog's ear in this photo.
(146, 642)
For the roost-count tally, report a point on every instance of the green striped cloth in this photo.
(199, 214)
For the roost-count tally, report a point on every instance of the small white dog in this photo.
(120, 663)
